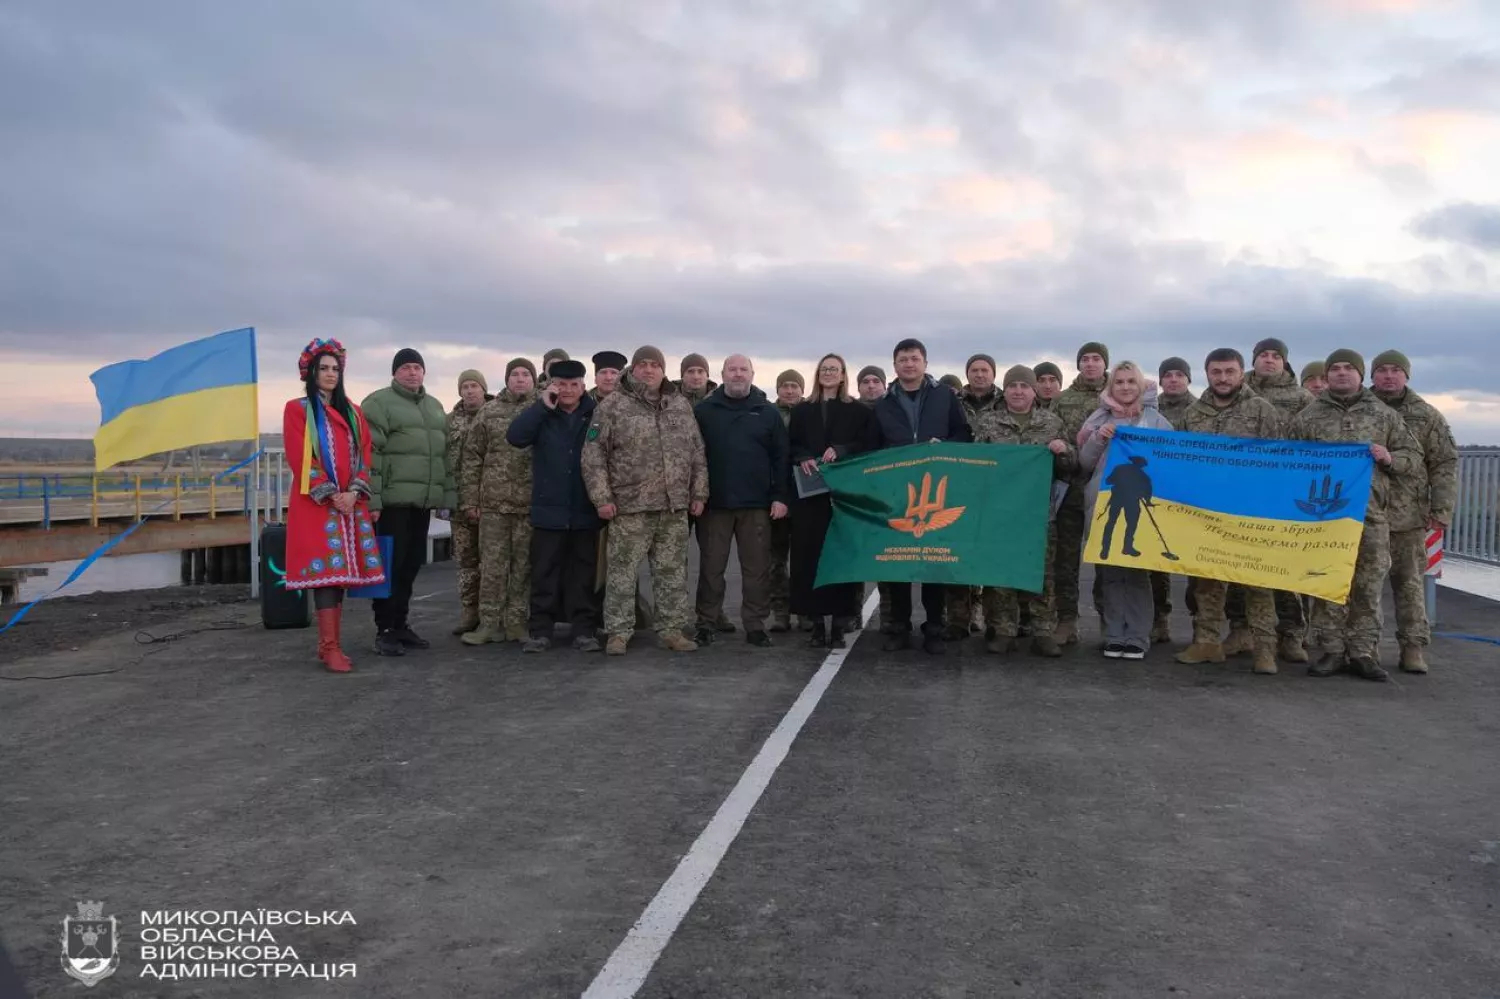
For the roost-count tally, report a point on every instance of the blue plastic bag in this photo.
(378, 591)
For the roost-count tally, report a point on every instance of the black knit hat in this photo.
(1174, 364)
(406, 355)
(1271, 343)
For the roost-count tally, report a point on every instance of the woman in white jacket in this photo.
(1128, 399)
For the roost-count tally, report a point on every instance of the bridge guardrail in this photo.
(1475, 533)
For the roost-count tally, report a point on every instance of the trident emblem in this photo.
(923, 513)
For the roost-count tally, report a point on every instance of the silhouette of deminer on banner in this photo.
(1129, 490)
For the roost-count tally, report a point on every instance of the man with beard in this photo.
(1229, 409)
(644, 467)
(1348, 635)
(1420, 502)
(1075, 405)
(749, 487)
(789, 388)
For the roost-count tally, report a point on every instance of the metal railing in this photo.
(121, 494)
(1475, 533)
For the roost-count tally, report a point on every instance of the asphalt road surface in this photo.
(965, 826)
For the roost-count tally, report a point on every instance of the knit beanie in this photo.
(1392, 357)
(870, 369)
(1313, 369)
(1048, 368)
(1174, 364)
(520, 362)
(648, 353)
(1019, 373)
(987, 359)
(555, 354)
(1270, 343)
(406, 355)
(952, 381)
(692, 361)
(472, 376)
(1093, 348)
(1346, 356)
(791, 375)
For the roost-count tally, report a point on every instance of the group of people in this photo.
(558, 496)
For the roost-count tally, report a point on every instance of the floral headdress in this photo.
(314, 349)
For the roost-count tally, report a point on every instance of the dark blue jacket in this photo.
(558, 500)
(749, 461)
(936, 414)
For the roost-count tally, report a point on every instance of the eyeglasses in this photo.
(832, 370)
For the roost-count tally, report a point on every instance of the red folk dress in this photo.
(324, 547)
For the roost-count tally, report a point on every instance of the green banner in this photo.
(974, 514)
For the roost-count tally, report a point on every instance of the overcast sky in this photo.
(780, 177)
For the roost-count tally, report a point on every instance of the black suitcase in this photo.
(279, 607)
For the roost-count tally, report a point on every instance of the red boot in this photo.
(332, 656)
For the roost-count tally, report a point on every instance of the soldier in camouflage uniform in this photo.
(1230, 409)
(495, 492)
(965, 603)
(1172, 402)
(871, 386)
(789, 388)
(553, 355)
(1020, 421)
(1273, 379)
(646, 472)
(1048, 385)
(1312, 378)
(1418, 503)
(1075, 405)
(473, 392)
(695, 385)
(1349, 635)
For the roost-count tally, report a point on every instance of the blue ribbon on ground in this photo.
(1466, 638)
(103, 549)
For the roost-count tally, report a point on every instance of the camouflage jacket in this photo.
(1000, 426)
(643, 455)
(693, 398)
(459, 421)
(1075, 405)
(1247, 415)
(786, 413)
(1282, 391)
(1432, 489)
(974, 405)
(495, 477)
(1175, 407)
(1366, 420)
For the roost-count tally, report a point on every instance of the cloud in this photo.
(1462, 222)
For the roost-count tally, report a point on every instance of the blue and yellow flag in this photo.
(201, 392)
(1285, 515)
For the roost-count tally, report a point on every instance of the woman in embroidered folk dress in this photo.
(330, 542)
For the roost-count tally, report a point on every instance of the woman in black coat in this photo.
(830, 425)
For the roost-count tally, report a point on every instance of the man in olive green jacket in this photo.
(410, 477)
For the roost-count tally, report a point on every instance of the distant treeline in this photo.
(73, 451)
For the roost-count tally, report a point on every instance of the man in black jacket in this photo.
(917, 410)
(749, 485)
(565, 526)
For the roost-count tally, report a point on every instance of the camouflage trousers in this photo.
(1067, 555)
(1354, 627)
(1409, 586)
(961, 602)
(1257, 605)
(1291, 616)
(505, 573)
(659, 538)
(466, 557)
(781, 553)
(1161, 593)
(1003, 607)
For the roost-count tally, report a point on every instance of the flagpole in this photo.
(254, 496)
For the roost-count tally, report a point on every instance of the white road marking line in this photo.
(627, 968)
(429, 596)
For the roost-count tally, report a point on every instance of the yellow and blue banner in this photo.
(1285, 515)
(200, 392)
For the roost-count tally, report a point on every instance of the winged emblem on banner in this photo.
(924, 513)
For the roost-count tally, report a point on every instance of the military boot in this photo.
(1201, 652)
(483, 635)
(997, 644)
(1290, 649)
(1066, 633)
(1161, 631)
(782, 623)
(1328, 664)
(468, 622)
(1046, 645)
(1367, 668)
(1265, 658)
(616, 645)
(1240, 641)
(676, 641)
(1411, 659)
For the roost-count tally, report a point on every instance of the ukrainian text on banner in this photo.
(1286, 515)
(974, 514)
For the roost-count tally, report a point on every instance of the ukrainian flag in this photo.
(201, 392)
(1281, 514)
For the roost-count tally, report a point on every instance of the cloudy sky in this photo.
(783, 177)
